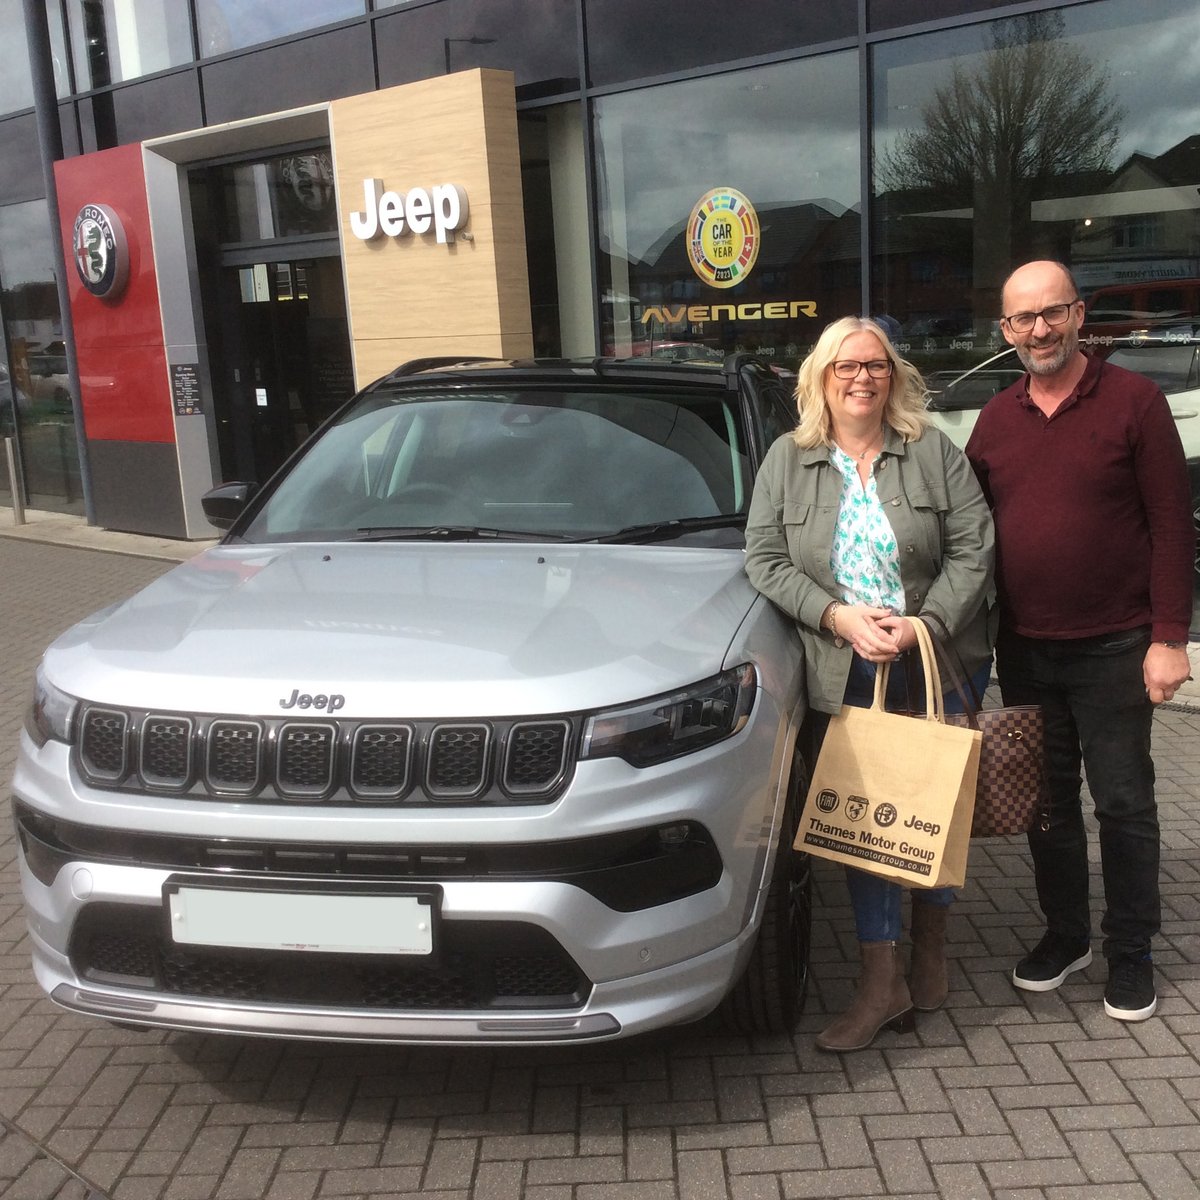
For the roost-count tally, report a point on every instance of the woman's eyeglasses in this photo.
(1056, 314)
(848, 368)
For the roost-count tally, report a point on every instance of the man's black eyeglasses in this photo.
(1056, 314)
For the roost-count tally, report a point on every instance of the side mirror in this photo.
(224, 504)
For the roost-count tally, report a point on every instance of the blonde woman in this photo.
(864, 516)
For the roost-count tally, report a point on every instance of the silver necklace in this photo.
(861, 454)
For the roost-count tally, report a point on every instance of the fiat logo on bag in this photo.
(101, 251)
(827, 800)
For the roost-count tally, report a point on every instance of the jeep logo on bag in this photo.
(930, 827)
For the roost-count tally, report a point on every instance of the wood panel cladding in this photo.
(408, 295)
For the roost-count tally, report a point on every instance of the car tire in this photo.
(770, 993)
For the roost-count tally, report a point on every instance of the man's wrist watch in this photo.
(1174, 645)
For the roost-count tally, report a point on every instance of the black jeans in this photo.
(1097, 714)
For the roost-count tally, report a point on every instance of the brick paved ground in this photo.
(1002, 1094)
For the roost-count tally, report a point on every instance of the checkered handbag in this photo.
(1011, 792)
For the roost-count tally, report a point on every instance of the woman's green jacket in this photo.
(943, 534)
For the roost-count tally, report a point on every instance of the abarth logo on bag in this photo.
(855, 807)
(885, 814)
(827, 801)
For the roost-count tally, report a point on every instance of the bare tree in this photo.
(1035, 108)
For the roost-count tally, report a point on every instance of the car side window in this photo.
(777, 413)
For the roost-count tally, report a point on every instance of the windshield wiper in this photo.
(663, 531)
(450, 533)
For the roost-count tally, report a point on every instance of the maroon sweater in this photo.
(1093, 528)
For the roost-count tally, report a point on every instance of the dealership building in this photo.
(219, 218)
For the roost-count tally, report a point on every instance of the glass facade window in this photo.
(289, 195)
(630, 39)
(113, 40)
(729, 211)
(16, 81)
(22, 177)
(141, 110)
(535, 39)
(35, 395)
(234, 24)
(888, 14)
(16, 85)
(308, 70)
(1072, 134)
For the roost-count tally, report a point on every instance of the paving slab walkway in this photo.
(1002, 1094)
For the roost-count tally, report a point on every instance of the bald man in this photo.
(1083, 468)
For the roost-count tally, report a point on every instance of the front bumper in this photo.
(677, 993)
(634, 963)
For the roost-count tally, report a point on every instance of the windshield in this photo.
(1173, 367)
(548, 462)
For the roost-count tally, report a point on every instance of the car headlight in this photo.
(51, 714)
(669, 726)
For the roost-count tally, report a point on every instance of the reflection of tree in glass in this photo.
(1035, 108)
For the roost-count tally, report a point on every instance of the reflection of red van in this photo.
(1122, 307)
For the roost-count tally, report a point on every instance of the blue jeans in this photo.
(877, 901)
(1097, 717)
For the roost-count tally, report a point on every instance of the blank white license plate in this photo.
(344, 924)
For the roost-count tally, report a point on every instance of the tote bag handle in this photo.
(934, 702)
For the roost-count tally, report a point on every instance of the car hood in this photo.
(411, 629)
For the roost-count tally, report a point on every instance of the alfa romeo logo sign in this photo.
(101, 252)
(723, 237)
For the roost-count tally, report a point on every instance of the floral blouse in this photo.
(865, 559)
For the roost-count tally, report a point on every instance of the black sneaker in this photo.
(1050, 962)
(1129, 995)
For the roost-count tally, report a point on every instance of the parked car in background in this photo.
(1124, 308)
(12, 398)
(49, 379)
(470, 730)
(1170, 357)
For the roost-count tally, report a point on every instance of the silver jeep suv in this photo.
(471, 729)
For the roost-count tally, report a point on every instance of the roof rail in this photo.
(416, 365)
(735, 362)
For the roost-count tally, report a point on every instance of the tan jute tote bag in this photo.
(892, 794)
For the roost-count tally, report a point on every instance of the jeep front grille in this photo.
(347, 761)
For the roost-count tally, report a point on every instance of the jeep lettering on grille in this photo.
(298, 699)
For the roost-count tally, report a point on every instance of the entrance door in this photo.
(284, 358)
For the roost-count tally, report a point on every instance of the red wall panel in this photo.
(119, 343)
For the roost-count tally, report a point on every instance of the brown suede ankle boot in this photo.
(880, 998)
(927, 980)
